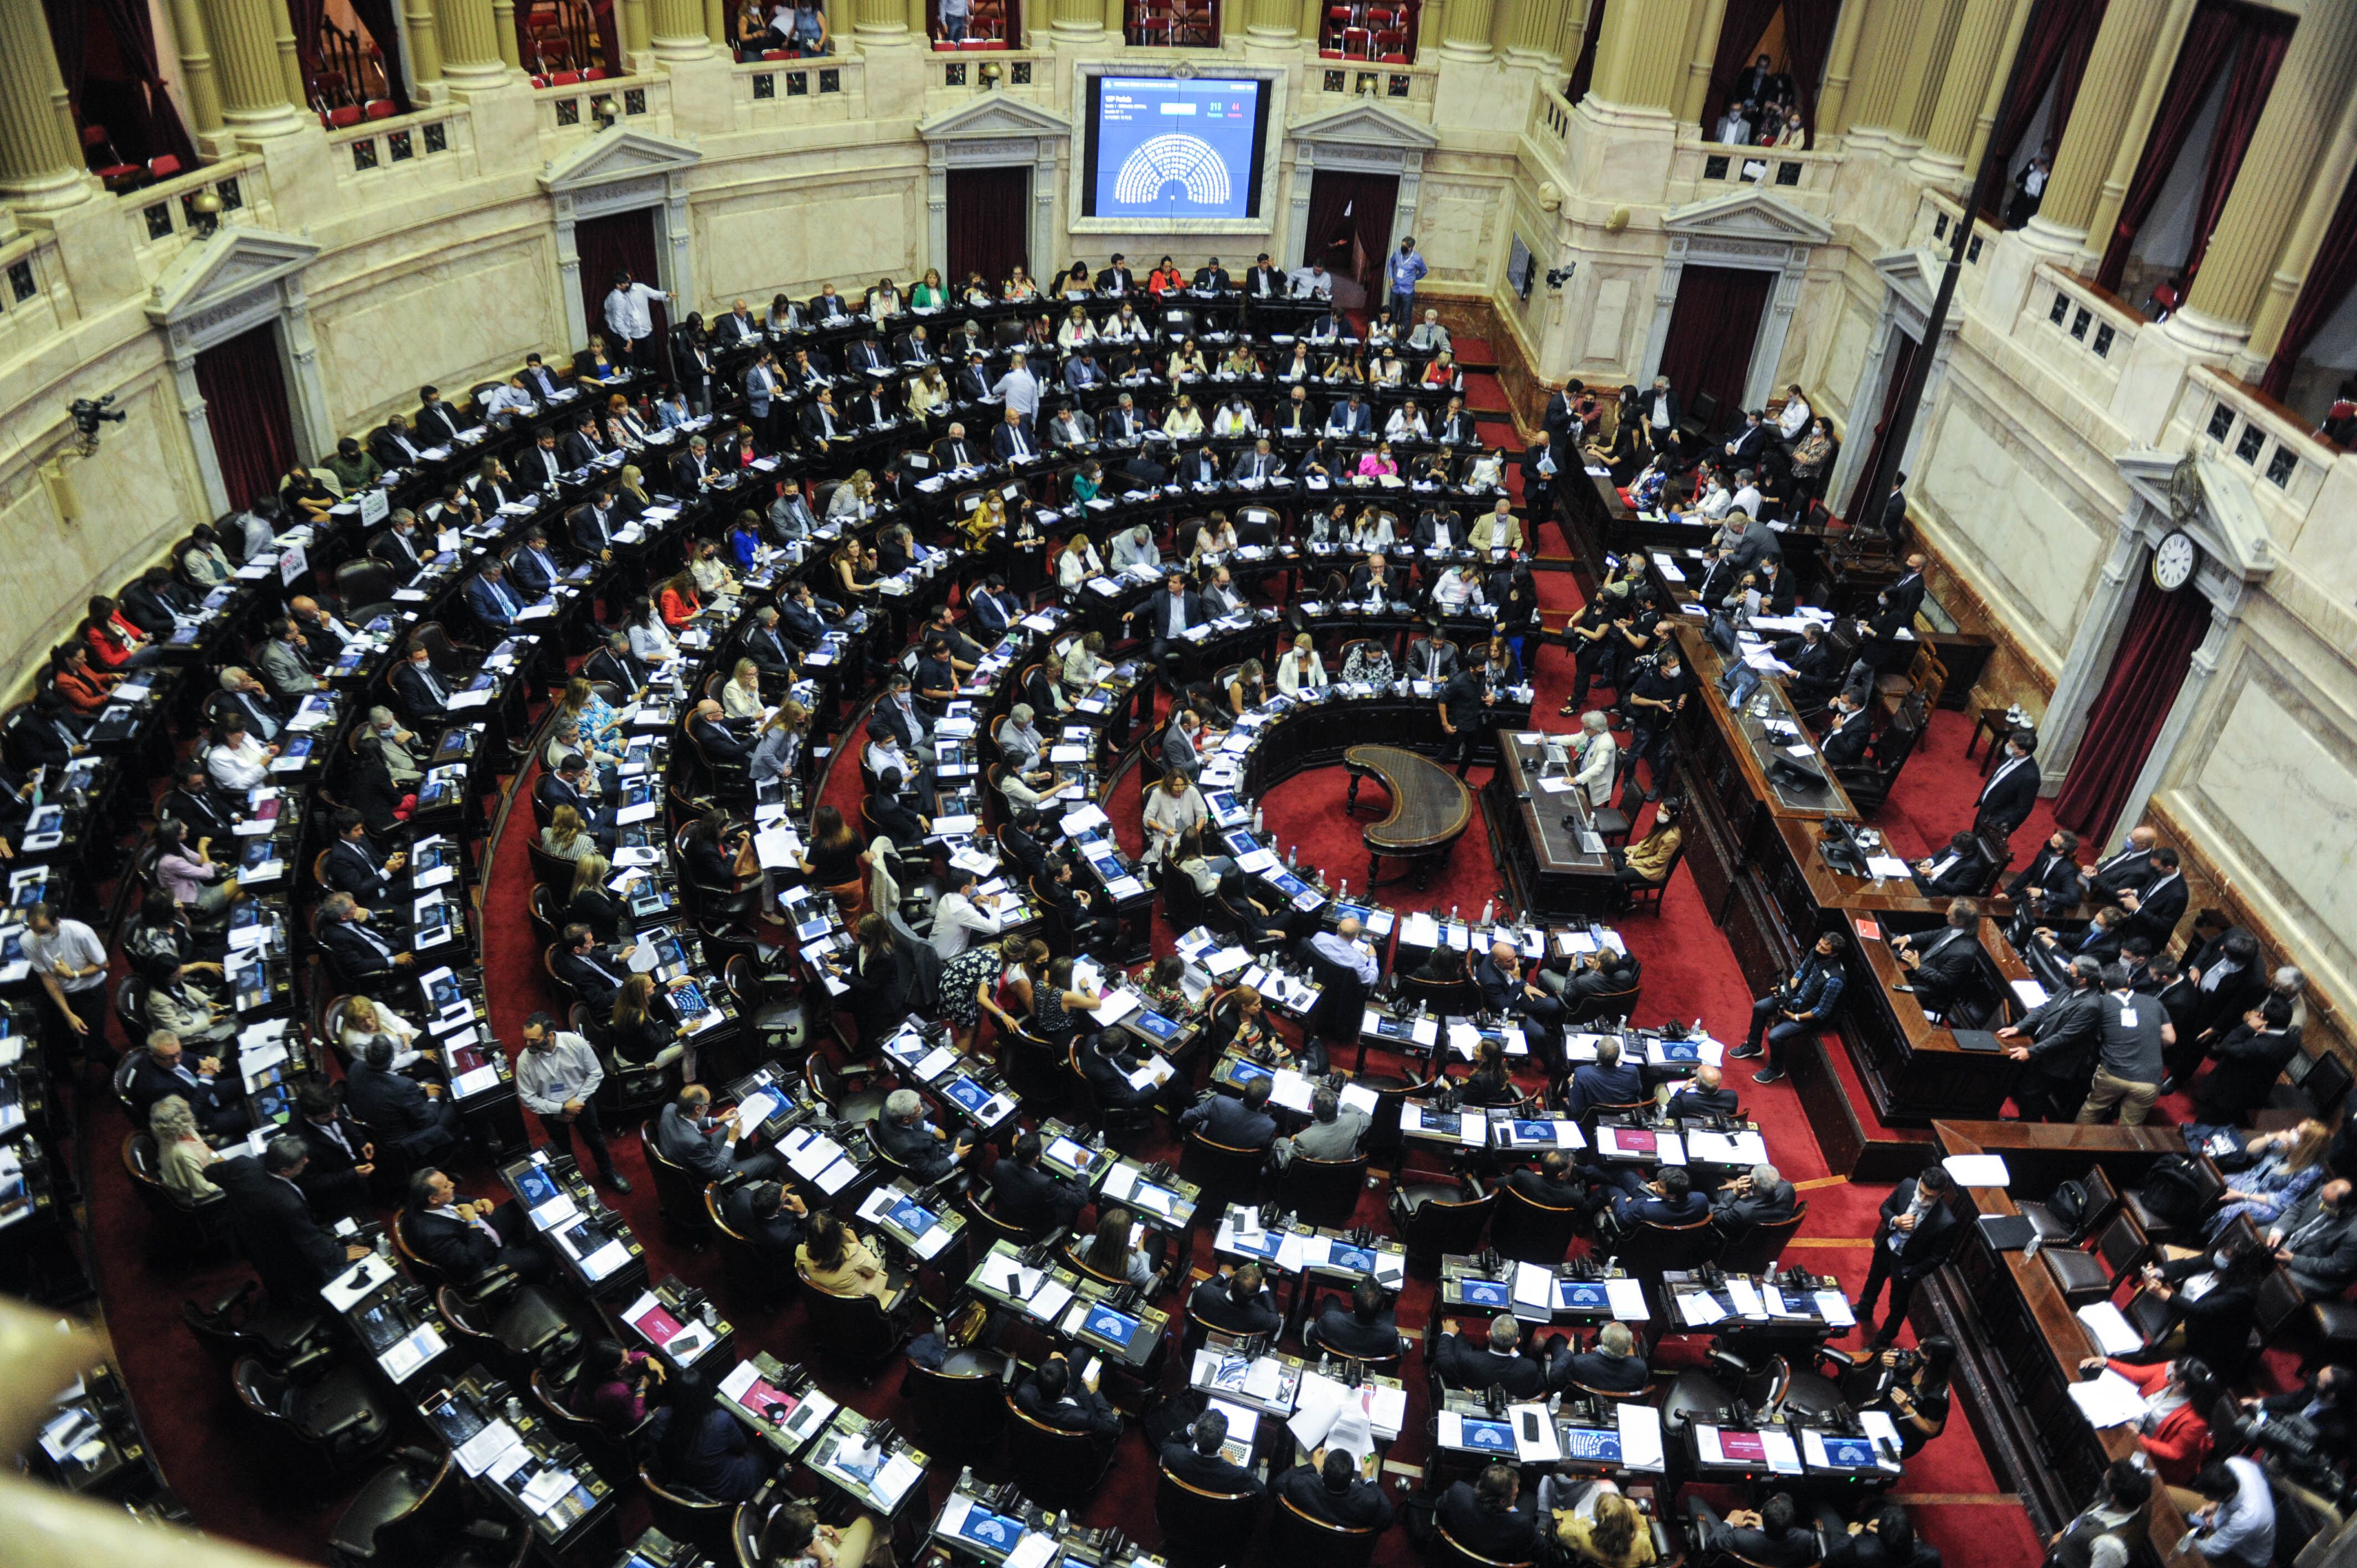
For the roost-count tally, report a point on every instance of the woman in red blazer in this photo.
(2176, 1427)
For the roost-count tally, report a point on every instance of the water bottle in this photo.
(1452, 914)
(1255, 819)
(1488, 913)
(1342, 888)
(1293, 858)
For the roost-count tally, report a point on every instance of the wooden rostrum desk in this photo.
(1751, 841)
(2019, 1342)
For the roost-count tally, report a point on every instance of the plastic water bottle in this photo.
(1452, 914)
(1255, 819)
(1488, 913)
(1293, 858)
(1342, 888)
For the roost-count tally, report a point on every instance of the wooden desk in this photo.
(1913, 1069)
(1431, 806)
(1546, 870)
(2019, 1343)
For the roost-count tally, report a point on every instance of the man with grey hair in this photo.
(1612, 1366)
(927, 1153)
(1759, 1197)
(691, 467)
(1429, 334)
(358, 955)
(242, 693)
(1136, 547)
(1019, 740)
(1704, 1095)
(1018, 389)
(1596, 759)
(1333, 1133)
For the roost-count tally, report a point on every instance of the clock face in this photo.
(2172, 562)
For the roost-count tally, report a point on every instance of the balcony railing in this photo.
(168, 212)
(569, 112)
(367, 154)
(1701, 170)
(797, 92)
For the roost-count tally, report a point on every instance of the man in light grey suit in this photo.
(282, 669)
(1178, 753)
(1596, 759)
(1333, 1133)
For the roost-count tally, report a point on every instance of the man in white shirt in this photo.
(1747, 494)
(1341, 948)
(557, 1076)
(1310, 281)
(509, 399)
(70, 960)
(628, 322)
(957, 919)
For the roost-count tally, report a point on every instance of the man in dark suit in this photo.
(2155, 909)
(691, 467)
(2247, 1060)
(582, 445)
(595, 974)
(438, 424)
(2006, 799)
(1298, 417)
(1775, 1537)
(1012, 440)
(995, 608)
(1239, 1124)
(273, 1222)
(2056, 1043)
(396, 1107)
(955, 451)
(1758, 1197)
(165, 1067)
(354, 865)
(1200, 466)
(1165, 618)
(1337, 1494)
(686, 1135)
(1115, 277)
(1362, 1328)
(2050, 883)
(1352, 417)
(360, 957)
(1552, 1184)
(767, 1216)
(1030, 1198)
(1904, 598)
(799, 615)
(339, 1159)
(1240, 1304)
(1485, 1517)
(1264, 279)
(1606, 1080)
(1199, 1464)
(1669, 1198)
(928, 1153)
(1894, 510)
(1371, 580)
(2129, 869)
(392, 445)
(1744, 451)
(1054, 1395)
(708, 727)
(494, 601)
(1500, 1363)
(2317, 1241)
(1105, 1062)
(1613, 1366)
(1960, 871)
(1431, 656)
(822, 429)
(464, 1240)
(194, 802)
(1705, 1094)
(618, 666)
(1938, 967)
(1917, 1232)
(1843, 743)
(532, 570)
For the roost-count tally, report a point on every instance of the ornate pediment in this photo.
(1914, 276)
(2208, 498)
(616, 156)
(1366, 125)
(224, 273)
(1749, 215)
(993, 116)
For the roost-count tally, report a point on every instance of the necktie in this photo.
(371, 937)
(433, 685)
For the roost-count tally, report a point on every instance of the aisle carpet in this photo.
(239, 1485)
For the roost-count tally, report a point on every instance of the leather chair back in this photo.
(854, 1329)
(1226, 1174)
(1440, 1225)
(1324, 1192)
(679, 1197)
(1757, 1250)
(1203, 1527)
(1054, 1468)
(1296, 1537)
(1530, 1231)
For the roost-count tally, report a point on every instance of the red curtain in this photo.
(2265, 36)
(309, 17)
(2330, 278)
(989, 222)
(246, 404)
(2163, 630)
(2210, 42)
(2054, 49)
(1712, 332)
(1808, 37)
(607, 245)
(1583, 70)
(1350, 225)
(135, 109)
(1865, 498)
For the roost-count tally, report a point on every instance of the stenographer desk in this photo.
(1548, 870)
(2019, 1342)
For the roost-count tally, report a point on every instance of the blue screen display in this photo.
(1167, 148)
(1490, 1436)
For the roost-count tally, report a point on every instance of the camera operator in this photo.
(2309, 1433)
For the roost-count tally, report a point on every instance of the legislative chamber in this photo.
(1149, 783)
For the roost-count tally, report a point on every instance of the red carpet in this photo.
(239, 1489)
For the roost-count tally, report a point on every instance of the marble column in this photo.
(2333, 173)
(290, 56)
(1920, 73)
(1641, 54)
(2292, 133)
(1993, 101)
(883, 21)
(1881, 56)
(715, 27)
(2134, 49)
(1466, 30)
(197, 84)
(630, 16)
(678, 28)
(1532, 31)
(244, 36)
(1271, 22)
(41, 153)
(1982, 28)
(1710, 17)
(1841, 61)
(503, 35)
(1068, 17)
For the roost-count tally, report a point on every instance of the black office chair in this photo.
(760, 1279)
(1296, 1537)
(1757, 1250)
(1530, 1231)
(679, 1196)
(1054, 1468)
(1226, 1174)
(338, 1414)
(961, 1406)
(1437, 1217)
(399, 1513)
(1324, 1192)
(854, 1331)
(691, 1518)
(1203, 1527)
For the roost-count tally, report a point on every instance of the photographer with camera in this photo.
(1911, 1388)
(2310, 1432)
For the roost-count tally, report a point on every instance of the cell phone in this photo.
(1530, 1426)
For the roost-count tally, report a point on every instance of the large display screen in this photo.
(1160, 147)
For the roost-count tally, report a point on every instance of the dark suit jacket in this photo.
(2059, 875)
(1596, 1084)
(1934, 1239)
(1032, 1198)
(1212, 1304)
(1942, 974)
(2158, 908)
(1224, 1119)
(149, 1082)
(1615, 1374)
(776, 1236)
(294, 1255)
(1360, 1505)
(2248, 1063)
(394, 1105)
(1965, 876)
(1697, 1100)
(2006, 802)
(1208, 1471)
(1845, 745)
(1471, 1368)
(1793, 1549)
(423, 705)
(329, 1158)
(1510, 1536)
(388, 452)
(702, 1155)
(450, 1245)
(1340, 1330)
(357, 869)
(355, 959)
(1080, 1408)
